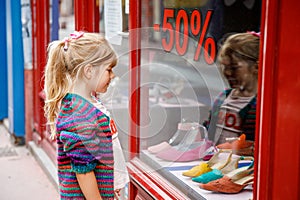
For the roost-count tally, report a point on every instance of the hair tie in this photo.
(75, 35)
(257, 34)
(66, 41)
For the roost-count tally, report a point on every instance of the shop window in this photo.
(180, 80)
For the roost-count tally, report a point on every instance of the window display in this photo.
(197, 112)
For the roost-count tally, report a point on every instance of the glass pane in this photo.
(181, 79)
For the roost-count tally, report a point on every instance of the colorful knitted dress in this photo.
(84, 142)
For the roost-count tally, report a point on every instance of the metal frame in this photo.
(3, 60)
(134, 83)
(278, 138)
(40, 40)
(15, 64)
(87, 15)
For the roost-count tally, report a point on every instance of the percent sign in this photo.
(209, 42)
(195, 27)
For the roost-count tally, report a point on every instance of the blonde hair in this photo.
(244, 46)
(64, 65)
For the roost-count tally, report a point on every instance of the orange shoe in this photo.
(240, 143)
(227, 185)
(233, 182)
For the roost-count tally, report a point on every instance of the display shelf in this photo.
(172, 171)
(151, 182)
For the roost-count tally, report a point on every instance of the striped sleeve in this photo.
(82, 149)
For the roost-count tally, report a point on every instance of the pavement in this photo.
(22, 176)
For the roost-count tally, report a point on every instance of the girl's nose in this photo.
(112, 75)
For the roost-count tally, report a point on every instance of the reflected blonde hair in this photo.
(244, 46)
(64, 66)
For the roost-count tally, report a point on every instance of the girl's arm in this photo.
(88, 185)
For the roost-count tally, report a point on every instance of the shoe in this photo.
(218, 161)
(238, 144)
(185, 153)
(198, 170)
(234, 164)
(209, 176)
(159, 147)
(232, 183)
(182, 131)
(227, 185)
(217, 174)
(194, 146)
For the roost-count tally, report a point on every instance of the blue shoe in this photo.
(209, 176)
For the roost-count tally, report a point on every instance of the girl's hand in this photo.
(117, 193)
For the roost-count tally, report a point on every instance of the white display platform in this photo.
(172, 171)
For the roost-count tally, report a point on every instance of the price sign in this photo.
(180, 33)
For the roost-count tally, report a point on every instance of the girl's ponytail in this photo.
(57, 82)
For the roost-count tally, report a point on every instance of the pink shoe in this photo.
(182, 153)
(159, 147)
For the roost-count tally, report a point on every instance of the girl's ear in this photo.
(88, 71)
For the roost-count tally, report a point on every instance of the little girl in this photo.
(77, 67)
